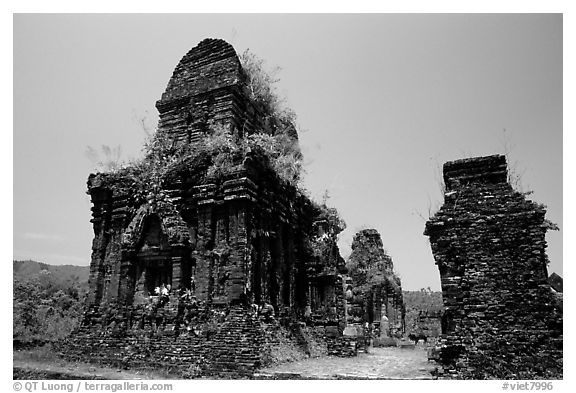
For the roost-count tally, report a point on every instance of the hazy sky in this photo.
(383, 101)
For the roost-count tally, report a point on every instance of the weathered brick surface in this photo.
(378, 290)
(502, 320)
(233, 241)
(207, 87)
(227, 344)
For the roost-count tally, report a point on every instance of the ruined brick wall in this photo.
(501, 318)
(227, 343)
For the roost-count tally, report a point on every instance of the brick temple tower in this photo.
(241, 238)
(233, 237)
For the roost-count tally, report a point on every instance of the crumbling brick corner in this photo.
(502, 319)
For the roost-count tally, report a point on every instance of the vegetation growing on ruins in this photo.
(336, 223)
(261, 85)
(370, 265)
(372, 271)
(222, 151)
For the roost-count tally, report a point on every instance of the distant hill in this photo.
(62, 275)
(47, 302)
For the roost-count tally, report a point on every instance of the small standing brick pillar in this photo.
(502, 320)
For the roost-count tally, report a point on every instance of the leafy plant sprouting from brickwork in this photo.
(325, 247)
(283, 153)
(221, 150)
(107, 159)
(370, 265)
(372, 276)
(261, 87)
(278, 139)
(336, 223)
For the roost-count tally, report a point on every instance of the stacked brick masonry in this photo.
(207, 88)
(232, 241)
(229, 343)
(501, 320)
(236, 231)
(378, 290)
